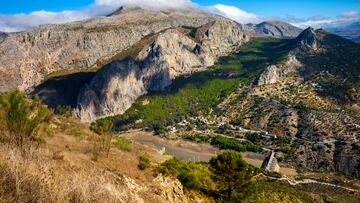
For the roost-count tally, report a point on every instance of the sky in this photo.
(19, 15)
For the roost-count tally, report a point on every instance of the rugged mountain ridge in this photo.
(313, 97)
(276, 29)
(174, 52)
(27, 58)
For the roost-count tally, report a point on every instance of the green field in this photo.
(198, 93)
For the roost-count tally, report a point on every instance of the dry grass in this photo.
(40, 176)
(62, 169)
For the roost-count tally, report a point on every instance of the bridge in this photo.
(270, 163)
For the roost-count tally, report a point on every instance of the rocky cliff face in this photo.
(173, 52)
(276, 29)
(26, 58)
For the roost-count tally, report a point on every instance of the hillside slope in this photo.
(313, 98)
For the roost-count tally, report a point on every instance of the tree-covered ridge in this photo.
(199, 92)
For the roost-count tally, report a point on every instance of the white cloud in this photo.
(235, 13)
(313, 23)
(322, 22)
(350, 14)
(20, 22)
(152, 4)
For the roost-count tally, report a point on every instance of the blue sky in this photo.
(280, 8)
(18, 15)
(297, 8)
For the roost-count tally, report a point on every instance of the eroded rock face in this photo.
(26, 58)
(274, 73)
(173, 53)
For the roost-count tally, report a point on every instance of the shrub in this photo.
(103, 128)
(144, 162)
(22, 117)
(284, 149)
(230, 143)
(64, 110)
(122, 143)
(253, 137)
(76, 131)
(192, 175)
(159, 129)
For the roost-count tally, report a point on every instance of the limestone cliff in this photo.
(174, 52)
(26, 58)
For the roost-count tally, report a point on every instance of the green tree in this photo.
(232, 175)
(103, 128)
(159, 128)
(22, 116)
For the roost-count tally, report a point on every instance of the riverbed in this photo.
(198, 152)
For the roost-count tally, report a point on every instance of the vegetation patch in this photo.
(122, 143)
(144, 162)
(231, 143)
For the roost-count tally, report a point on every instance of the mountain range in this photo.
(189, 74)
(351, 31)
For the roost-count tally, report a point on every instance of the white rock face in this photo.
(26, 58)
(270, 75)
(173, 53)
(274, 73)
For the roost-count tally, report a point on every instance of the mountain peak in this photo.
(308, 39)
(277, 29)
(123, 9)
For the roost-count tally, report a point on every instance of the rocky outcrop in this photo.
(276, 29)
(271, 75)
(274, 73)
(307, 39)
(26, 58)
(173, 53)
(170, 190)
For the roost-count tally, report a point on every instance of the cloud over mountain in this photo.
(20, 22)
(234, 13)
(345, 18)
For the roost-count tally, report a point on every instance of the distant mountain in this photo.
(351, 31)
(276, 29)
